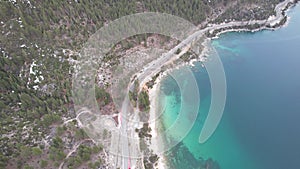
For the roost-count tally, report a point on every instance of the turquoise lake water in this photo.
(260, 128)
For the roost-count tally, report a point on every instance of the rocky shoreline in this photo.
(280, 20)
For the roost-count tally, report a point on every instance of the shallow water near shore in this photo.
(260, 128)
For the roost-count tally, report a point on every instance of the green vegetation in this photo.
(102, 97)
(43, 163)
(60, 130)
(36, 151)
(144, 103)
(144, 135)
(150, 83)
(242, 10)
(80, 134)
(133, 95)
(178, 51)
(95, 165)
(188, 56)
(144, 131)
(28, 167)
(150, 161)
(56, 153)
(83, 155)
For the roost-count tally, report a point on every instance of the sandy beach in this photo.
(153, 94)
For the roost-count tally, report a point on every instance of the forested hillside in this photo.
(39, 40)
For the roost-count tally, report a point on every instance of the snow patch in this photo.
(23, 46)
(35, 87)
(31, 71)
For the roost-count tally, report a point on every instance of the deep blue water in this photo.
(260, 128)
